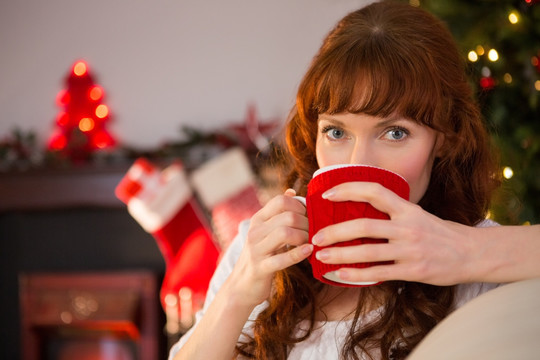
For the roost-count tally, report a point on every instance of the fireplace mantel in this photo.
(61, 188)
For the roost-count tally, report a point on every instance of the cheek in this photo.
(417, 172)
(328, 155)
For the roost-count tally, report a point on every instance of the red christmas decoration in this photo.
(487, 82)
(80, 125)
(535, 61)
(163, 203)
(252, 134)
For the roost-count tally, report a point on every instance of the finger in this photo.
(357, 228)
(279, 204)
(286, 259)
(378, 196)
(377, 273)
(282, 237)
(360, 253)
(397, 271)
(282, 219)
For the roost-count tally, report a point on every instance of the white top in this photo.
(326, 340)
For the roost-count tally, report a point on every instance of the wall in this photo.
(162, 63)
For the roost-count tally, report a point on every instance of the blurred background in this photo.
(199, 91)
(500, 41)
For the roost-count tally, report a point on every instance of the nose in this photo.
(363, 154)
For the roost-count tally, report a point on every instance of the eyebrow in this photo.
(332, 120)
(390, 120)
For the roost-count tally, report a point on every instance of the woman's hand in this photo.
(277, 238)
(424, 248)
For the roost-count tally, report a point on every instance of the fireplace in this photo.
(89, 316)
(67, 244)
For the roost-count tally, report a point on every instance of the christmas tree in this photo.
(500, 40)
(80, 125)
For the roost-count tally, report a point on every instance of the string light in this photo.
(102, 111)
(80, 68)
(480, 50)
(473, 56)
(537, 85)
(487, 83)
(493, 55)
(508, 172)
(513, 17)
(507, 78)
(86, 124)
(95, 93)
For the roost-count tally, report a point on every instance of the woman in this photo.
(387, 89)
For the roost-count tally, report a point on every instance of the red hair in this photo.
(385, 58)
(394, 58)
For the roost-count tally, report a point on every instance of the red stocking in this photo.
(162, 202)
(226, 187)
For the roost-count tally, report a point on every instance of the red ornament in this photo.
(80, 126)
(487, 82)
(535, 61)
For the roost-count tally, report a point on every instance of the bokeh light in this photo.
(102, 111)
(86, 124)
(493, 55)
(80, 68)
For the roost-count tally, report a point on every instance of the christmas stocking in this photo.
(162, 202)
(226, 186)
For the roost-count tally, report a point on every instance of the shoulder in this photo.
(467, 292)
(487, 223)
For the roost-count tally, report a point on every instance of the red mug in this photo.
(322, 213)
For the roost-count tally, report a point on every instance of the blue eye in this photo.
(396, 134)
(333, 132)
(336, 133)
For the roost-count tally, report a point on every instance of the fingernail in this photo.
(322, 255)
(290, 191)
(317, 239)
(307, 249)
(342, 274)
(328, 194)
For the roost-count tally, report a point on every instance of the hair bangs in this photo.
(378, 82)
